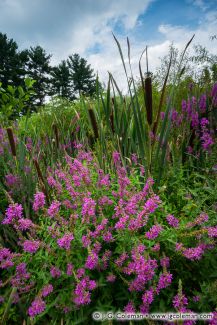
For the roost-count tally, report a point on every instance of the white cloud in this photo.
(66, 27)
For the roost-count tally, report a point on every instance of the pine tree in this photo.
(12, 62)
(61, 82)
(38, 69)
(82, 76)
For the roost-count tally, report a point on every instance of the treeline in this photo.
(68, 79)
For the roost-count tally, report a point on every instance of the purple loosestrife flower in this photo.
(54, 209)
(55, 272)
(194, 253)
(196, 298)
(111, 278)
(88, 208)
(37, 307)
(179, 247)
(80, 273)
(202, 103)
(165, 261)
(11, 180)
(24, 224)
(4, 253)
(119, 261)
(1, 299)
(148, 297)
(162, 115)
(46, 290)
(180, 301)
(92, 261)
(129, 308)
(31, 246)
(65, 241)
(153, 232)
(86, 241)
(156, 247)
(212, 231)
(70, 268)
(116, 158)
(164, 281)
(134, 158)
(107, 237)
(14, 211)
(172, 221)
(39, 201)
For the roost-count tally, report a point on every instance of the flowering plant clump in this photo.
(100, 237)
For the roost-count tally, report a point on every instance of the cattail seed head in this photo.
(11, 141)
(93, 122)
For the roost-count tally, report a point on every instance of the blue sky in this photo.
(64, 27)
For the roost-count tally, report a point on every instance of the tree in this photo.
(38, 69)
(61, 81)
(82, 76)
(12, 62)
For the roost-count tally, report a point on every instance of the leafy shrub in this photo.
(98, 242)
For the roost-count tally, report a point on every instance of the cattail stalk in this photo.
(41, 178)
(11, 141)
(93, 122)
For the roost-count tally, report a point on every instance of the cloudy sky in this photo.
(64, 27)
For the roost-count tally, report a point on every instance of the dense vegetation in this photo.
(107, 201)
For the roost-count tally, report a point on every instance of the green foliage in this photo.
(15, 101)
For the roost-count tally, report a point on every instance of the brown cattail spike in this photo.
(41, 179)
(148, 98)
(93, 122)
(11, 141)
(112, 122)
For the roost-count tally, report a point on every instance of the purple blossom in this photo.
(65, 241)
(70, 268)
(80, 273)
(180, 301)
(92, 261)
(194, 253)
(39, 201)
(31, 246)
(202, 103)
(212, 231)
(111, 278)
(54, 209)
(24, 224)
(129, 308)
(88, 207)
(153, 232)
(55, 272)
(14, 211)
(11, 180)
(148, 297)
(37, 307)
(46, 290)
(4, 253)
(172, 221)
(156, 247)
(116, 158)
(165, 261)
(164, 281)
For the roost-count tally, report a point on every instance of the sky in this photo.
(65, 27)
